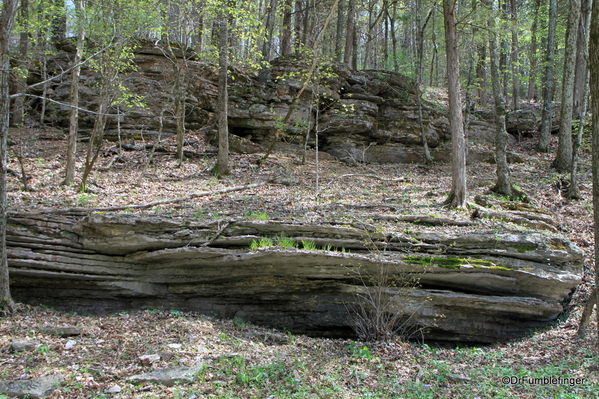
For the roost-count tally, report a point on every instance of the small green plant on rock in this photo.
(309, 245)
(286, 242)
(261, 243)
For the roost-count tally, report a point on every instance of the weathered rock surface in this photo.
(368, 116)
(479, 286)
(24, 345)
(39, 387)
(169, 376)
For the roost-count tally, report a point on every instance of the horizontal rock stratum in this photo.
(473, 286)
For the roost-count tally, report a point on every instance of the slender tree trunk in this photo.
(457, 195)
(392, 20)
(96, 137)
(287, 28)
(18, 115)
(481, 74)
(339, 38)
(222, 163)
(581, 62)
(514, 57)
(74, 100)
(419, 78)
(267, 46)
(503, 185)
(350, 33)
(594, 72)
(563, 159)
(9, 7)
(583, 45)
(531, 92)
(548, 84)
(300, 11)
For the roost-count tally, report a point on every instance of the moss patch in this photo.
(449, 263)
(522, 248)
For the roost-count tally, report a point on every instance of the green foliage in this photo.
(359, 352)
(263, 242)
(286, 242)
(256, 215)
(309, 245)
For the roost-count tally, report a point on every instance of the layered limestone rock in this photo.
(364, 116)
(475, 286)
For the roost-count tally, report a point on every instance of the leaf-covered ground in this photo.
(245, 361)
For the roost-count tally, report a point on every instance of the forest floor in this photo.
(241, 360)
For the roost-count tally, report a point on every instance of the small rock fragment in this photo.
(62, 331)
(169, 376)
(114, 389)
(24, 345)
(34, 388)
(146, 360)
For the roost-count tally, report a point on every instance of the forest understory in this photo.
(240, 360)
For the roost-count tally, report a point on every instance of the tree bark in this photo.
(594, 76)
(514, 56)
(18, 115)
(349, 33)
(548, 84)
(457, 195)
(286, 39)
(419, 81)
(267, 46)
(222, 163)
(563, 159)
(580, 81)
(74, 101)
(532, 92)
(9, 7)
(339, 38)
(503, 185)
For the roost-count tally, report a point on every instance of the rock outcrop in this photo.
(476, 286)
(365, 116)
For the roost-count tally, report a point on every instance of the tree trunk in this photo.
(419, 81)
(594, 75)
(74, 100)
(583, 45)
(563, 159)
(350, 33)
(503, 185)
(531, 92)
(97, 136)
(286, 34)
(481, 74)
(514, 57)
(457, 195)
(21, 79)
(548, 84)
(267, 46)
(6, 23)
(581, 61)
(392, 20)
(339, 38)
(222, 163)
